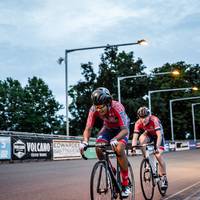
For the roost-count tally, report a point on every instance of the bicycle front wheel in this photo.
(131, 182)
(147, 179)
(101, 186)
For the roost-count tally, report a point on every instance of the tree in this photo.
(113, 64)
(189, 76)
(80, 104)
(29, 109)
(11, 100)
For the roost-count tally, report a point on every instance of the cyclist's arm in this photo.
(89, 124)
(135, 138)
(87, 133)
(159, 138)
(136, 133)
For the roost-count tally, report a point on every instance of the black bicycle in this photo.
(149, 176)
(105, 180)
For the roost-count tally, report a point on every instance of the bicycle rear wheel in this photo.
(101, 186)
(147, 179)
(131, 182)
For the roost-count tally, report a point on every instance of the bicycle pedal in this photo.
(155, 176)
(115, 196)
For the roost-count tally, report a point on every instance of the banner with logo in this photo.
(184, 145)
(24, 147)
(5, 148)
(166, 147)
(198, 145)
(91, 152)
(192, 144)
(66, 149)
(172, 146)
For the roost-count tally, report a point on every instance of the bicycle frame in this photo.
(106, 152)
(116, 181)
(150, 166)
(150, 155)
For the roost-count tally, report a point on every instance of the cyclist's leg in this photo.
(159, 157)
(123, 163)
(121, 154)
(144, 139)
(162, 166)
(103, 137)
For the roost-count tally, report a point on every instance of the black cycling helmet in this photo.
(101, 96)
(143, 112)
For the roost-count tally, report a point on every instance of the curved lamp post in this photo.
(120, 78)
(171, 114)
(67, 51)
(167, 90)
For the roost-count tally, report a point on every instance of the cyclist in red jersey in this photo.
(152, 131)
(115, 129)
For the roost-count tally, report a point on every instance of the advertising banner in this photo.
(24, 147)
(91, 152)
(166, 147)
(66, 149)
(192, 144)
(5, 148)
(198, 145)
(180, 146)
(172, 146)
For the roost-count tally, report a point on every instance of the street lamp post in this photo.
(171, 114)
(164, 90)
(125, 77)
(67, 51)
(120, 78)
(193, 120)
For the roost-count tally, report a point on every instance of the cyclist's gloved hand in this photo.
(133, 151)
(114, 142)
(83, 146)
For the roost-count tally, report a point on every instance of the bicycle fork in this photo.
(154, 164)
(115, 177)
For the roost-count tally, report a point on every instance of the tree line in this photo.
(34, 108)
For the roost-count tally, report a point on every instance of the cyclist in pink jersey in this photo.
(151, 130)
(115, 129)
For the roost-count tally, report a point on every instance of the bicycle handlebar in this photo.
(84, 157)
(103, 145)
(143, 145)
(155, 151)
(100, 145)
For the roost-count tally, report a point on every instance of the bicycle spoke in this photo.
(101, 184)
(146, 180)
(131, 183)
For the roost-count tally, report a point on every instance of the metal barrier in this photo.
(35, 146)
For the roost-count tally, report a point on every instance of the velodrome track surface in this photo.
(69, 180)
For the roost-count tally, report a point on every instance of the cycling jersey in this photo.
(115, 118)
(153, 125)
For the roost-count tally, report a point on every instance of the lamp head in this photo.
(142, 42)
(176, 72)
(195, 88)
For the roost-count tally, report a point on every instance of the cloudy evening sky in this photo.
(34, 34)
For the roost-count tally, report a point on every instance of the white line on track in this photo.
(192, 195)
(182, 191)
